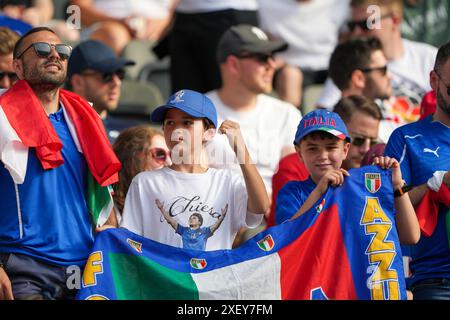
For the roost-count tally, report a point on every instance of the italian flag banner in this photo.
(336, 250)
(99, 201)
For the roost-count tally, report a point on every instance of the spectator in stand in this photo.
(423, 150)
(117, 22)
(305, 62)
(96, 74)
(245, 55)
(358, 67)
(409, 62)
(139, 148)
(198, 26)
(8, 40)
(361, 117)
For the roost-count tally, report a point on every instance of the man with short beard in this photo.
(52, 145)
(423, 151)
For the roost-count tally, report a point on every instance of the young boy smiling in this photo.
(322, 142)
(188, 185)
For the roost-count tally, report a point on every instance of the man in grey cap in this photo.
(268, 125)
(96, 73)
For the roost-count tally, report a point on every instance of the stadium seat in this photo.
(140, 52)
(158, 72)
(138, 100)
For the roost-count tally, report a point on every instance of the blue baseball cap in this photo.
(192, 102)
(322, 120)
(94, 55)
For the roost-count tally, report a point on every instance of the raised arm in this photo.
(406, 220)
(166, 215)
(258, 200)
(219, 221)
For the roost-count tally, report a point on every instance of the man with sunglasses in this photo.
(8, 39)
(358, 66)
(408, 62)
(52, 148)
(96, 73)
(245, 56)
(423, 151)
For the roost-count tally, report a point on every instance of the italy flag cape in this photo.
(24, 124)
(345, 247)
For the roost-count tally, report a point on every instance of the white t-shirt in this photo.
(410, 74)
(197, 6)
(183, 194)
(156, 9)
(310, 46)
(266, 129)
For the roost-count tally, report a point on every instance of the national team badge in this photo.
(266, 243)
(198, 264)
(135, 245)
(178, 97)
(372, 182)
(320, 206)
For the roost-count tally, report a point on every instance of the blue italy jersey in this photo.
(291, 197)
(194, 239)
(46, 217)
(422, 148)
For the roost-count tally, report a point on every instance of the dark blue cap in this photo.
(192, 102)
(95, 55)
(321, 120)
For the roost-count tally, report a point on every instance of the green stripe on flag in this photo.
(139, 278)
(99, 201)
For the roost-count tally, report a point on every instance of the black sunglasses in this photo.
(260, 57)
(359, 140)
(159, 154)
(382, 69)
(107, 76)
(447, 86)
(11, 75)
(43, 49)
(363, 24)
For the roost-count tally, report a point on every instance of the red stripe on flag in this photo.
(307, 263)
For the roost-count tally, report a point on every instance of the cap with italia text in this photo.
(322, 120)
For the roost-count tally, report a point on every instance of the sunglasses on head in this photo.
(364, 24)
(11, 75)
(382, 69)
(108, 76)
(447, 86)
(43, 49)
(159, 154)
(359, 140)
(260, 57)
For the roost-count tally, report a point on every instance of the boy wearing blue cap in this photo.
(322, 142)
(189, 122)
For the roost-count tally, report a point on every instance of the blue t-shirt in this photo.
(291, 197)
(194, 239)
(422, 148)
(46, 217)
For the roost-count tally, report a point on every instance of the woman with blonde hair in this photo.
(139, 148)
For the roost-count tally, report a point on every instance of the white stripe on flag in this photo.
(13, 153)
(257, 279)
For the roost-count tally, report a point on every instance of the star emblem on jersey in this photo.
(198, 264)
(178, 97)
(135, 245)
(372, 182)
(266, 243)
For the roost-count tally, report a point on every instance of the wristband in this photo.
(401, 191)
